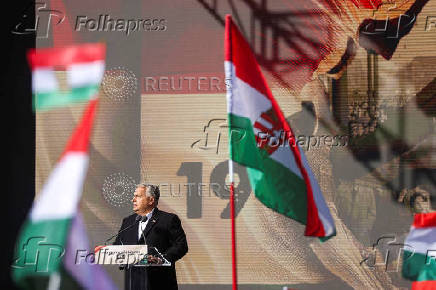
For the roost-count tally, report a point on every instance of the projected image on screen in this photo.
(359, 103)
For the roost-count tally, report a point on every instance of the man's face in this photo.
(142, 202)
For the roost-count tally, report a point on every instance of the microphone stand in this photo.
(144, 219)
(138, 218)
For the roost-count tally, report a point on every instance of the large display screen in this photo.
(358, 95)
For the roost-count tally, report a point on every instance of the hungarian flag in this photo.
(84, 274)
(262, 140)
(419, 260)
(61, 76)
(46, 248)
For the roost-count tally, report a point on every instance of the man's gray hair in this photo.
(154, 191)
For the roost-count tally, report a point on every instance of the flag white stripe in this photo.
(85, 74)
(89, 276)
(78, 75)
(284, 156)
(60, 195)
(265, 123)
(323, 210)
(248, 102)
(422, 239)
(44, 80)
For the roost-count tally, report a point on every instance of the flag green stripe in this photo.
(274, 185)
(419, 267)
(39, 249)
(47, 100)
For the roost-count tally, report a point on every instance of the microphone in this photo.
(138, 218)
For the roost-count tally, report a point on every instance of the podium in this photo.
(131, 258)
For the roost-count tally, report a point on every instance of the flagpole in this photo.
(233, 230)
(228, 52)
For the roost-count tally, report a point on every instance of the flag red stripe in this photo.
(228, 39)
(239, 53)
(263, 129)
(65, 56)
(314, 226)
(79, 140)
(368, 4)
(247, 69)
(424, 220)
(424, 285)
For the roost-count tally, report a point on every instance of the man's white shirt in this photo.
(142, 225)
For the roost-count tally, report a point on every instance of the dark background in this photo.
(19, 134)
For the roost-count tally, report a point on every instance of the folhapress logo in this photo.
(44, 19)
(38, 255)
(106, 23)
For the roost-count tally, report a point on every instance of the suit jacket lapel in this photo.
(152, 221)
(134, 233)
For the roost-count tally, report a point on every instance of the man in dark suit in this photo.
(155, 228)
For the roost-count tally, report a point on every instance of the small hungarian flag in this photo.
(279, 173)
(42, 242)
(419, 260)
(61, 76)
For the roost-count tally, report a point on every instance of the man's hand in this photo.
(154, 260)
